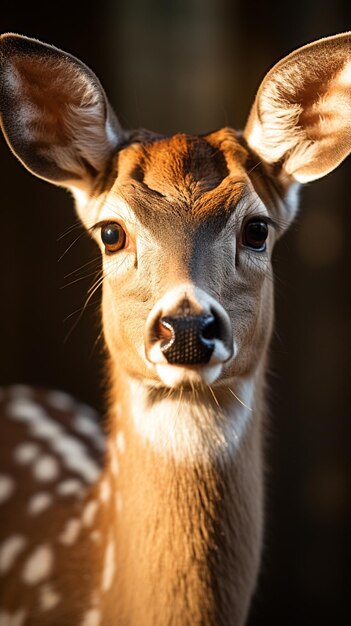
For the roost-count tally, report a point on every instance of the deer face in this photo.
(186, 244)
(186, 225)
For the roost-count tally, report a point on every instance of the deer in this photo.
(156, 517)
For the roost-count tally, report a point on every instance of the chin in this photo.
(184, 376)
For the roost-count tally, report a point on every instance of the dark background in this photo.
(194, 65)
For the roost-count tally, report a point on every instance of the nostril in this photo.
(158, 332)
(163, 330)
(166, 333)
(211, 329)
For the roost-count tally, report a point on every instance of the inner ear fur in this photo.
(301, 117)
(54, 112)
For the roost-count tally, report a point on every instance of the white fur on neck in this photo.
(191, 427)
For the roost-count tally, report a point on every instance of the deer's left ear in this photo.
(54, 113)
(301, 118)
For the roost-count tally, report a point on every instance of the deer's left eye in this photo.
(113, 237)
(255, 234)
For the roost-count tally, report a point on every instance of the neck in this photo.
(186, 520)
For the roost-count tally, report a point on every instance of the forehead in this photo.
(182, 176)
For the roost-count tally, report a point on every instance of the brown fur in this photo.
(189, 535)
(182, 517)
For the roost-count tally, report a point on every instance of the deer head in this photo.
(186, 225)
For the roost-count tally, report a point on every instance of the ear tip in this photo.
(9, 39)
(11, 43)
(7, 36)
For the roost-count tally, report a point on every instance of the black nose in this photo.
(191, 340)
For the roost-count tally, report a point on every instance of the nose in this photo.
(191, 340)
(188, 327)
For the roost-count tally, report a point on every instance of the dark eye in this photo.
(255, 234)
(113, 237)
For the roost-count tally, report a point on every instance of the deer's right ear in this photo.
(54, 113)
(301, 118)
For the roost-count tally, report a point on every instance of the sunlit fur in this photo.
(302, 111)
(183, 474)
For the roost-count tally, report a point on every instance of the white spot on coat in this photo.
(26, 453)
(10, 550)
(86, 423)
(7, 487)
(72, 451)
(85, 426)
(89, 513)
(121, 443)
(91, 618)
(113, 461)
(105, 490)
(74, 456)
(60, 400)
(48, 597)
(38, 566)
(70, 487)
(70, 532)
(39, 502)
(24, 410)
(109, 566)
(46, 468)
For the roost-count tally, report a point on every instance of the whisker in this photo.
(214, 396)
(82, 310)
(83, 234)
(96, 342)
(75, 312)
(96, 260)
(238, 399)
(91, 292)
(99, 279)
(70, 229)
(76, 280)
(254, 167)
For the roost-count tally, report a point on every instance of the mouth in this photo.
(188, 376)
(185, 375)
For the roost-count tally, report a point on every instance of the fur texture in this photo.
(170, 532)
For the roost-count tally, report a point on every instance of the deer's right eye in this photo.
(113, 237)
(255, 234)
